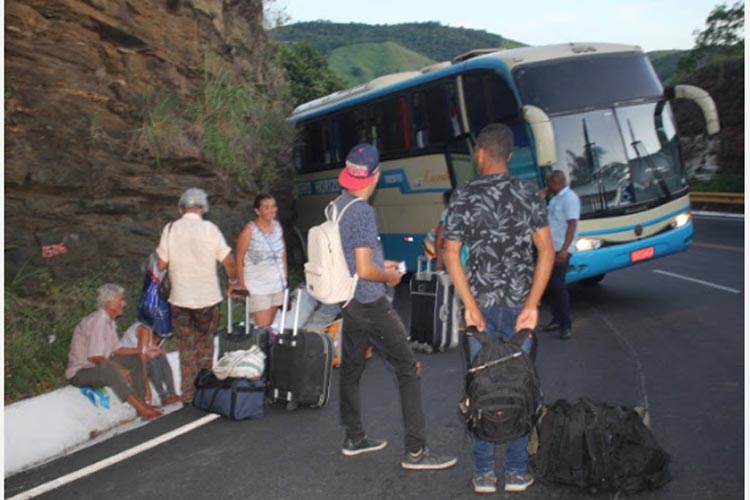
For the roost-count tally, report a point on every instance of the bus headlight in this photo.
(680, 220)
(584, 244)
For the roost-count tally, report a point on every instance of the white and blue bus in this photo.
(598, 112)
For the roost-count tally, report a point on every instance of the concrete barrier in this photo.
(42, 428)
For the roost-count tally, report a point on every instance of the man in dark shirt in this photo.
(369, 318)
(500, 219)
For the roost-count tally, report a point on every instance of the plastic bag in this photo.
(153, 308)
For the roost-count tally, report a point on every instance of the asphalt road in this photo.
(640, 336)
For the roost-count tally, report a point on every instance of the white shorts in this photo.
(263, 302)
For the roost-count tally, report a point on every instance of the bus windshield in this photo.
(580, 83)
(617, 158)
(614, 132)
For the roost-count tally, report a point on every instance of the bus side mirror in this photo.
(544, 135)
(703, 100)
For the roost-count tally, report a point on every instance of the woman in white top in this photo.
(154, 357)
(261, 261)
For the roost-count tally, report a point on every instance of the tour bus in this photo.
(597, 112)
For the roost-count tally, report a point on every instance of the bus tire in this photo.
(594, 279)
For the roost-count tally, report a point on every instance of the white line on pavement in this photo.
(124, 455)
(700, 282)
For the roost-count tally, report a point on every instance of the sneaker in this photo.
(565, 333)
(518, 481)
(485, 483)
(427, 461)
(364, 445)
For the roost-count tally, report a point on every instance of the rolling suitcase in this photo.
(237, 337)
(243, 335)
(434, 311)
(302, 365)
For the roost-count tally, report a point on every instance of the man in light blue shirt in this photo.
(563, 212)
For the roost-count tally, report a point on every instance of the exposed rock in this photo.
(77, 75)
(725, 81)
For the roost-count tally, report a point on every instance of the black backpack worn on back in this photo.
(503, 397)
(597, 445)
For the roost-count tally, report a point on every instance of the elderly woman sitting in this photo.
(96, 357)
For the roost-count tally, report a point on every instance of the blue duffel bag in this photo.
(235, 398)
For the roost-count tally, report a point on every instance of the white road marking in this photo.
(700, 282)
(124, 455)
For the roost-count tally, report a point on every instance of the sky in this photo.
(652, 24)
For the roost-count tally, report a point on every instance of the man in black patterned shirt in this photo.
(500, 219)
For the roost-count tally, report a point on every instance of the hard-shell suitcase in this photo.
(302, 365)
(434, 310)
(239, 336)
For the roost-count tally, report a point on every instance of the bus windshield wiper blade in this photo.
(645, 156)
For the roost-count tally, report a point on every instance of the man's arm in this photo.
(570, 231)
(367, 270)
(529, 315)
(452, 258)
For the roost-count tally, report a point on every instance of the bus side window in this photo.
(394, 135)
(488, 100)
(419, 120)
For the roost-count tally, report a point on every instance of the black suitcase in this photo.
(238, 336)
(302, 365)
(434, 309)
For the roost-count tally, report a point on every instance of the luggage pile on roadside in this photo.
(256, 364)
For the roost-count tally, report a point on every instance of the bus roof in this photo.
(509, 58)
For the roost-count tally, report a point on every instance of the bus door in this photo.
(459, 156)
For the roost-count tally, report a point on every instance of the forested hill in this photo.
(358, 52)
(431, 39)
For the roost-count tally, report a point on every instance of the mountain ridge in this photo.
(340, 43)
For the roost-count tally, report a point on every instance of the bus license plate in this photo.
(642, 254)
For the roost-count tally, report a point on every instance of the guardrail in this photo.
(723, 198)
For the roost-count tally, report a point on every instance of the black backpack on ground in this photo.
(503, 397)
(599, 446)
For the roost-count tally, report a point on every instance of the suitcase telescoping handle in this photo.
(282, 327)
(245, 294)
(423, 268)
(295, 324)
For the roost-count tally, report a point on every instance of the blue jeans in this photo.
(499, 322)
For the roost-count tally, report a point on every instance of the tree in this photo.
(723, 37)
(308, 72)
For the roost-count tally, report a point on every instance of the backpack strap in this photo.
(332, 212)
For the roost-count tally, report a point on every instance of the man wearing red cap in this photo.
(370, 318)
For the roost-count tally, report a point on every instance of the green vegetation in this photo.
(665, 63)
(308, 72)
(365, 61)
(239, 129)
(38, 328)
(723, 38)
(721, 183)
(431, 39)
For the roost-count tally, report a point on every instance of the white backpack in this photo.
(326, 272)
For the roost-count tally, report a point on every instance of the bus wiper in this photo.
(596, 170)
(644, 156)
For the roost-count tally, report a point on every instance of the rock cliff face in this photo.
(78, 188)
